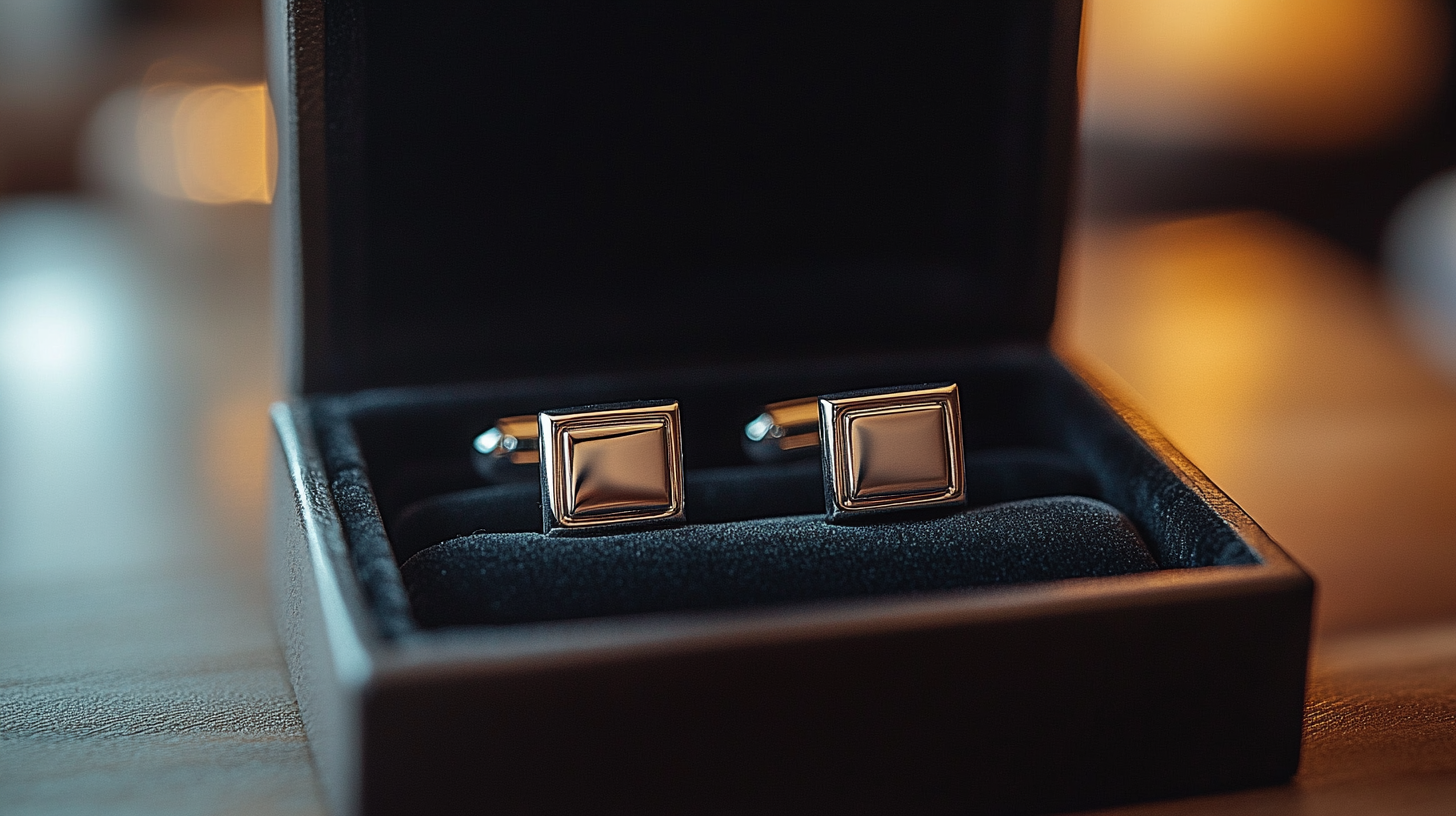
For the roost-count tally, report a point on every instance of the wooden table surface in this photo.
(139, 672)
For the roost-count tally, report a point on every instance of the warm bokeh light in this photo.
(212, 144)
(1265, 354)
(234, 456)
(1260, 73)
(1194, 312)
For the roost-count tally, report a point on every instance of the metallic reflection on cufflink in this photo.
(891, 449)
(607, 467)
(507, 452)
(784, 431)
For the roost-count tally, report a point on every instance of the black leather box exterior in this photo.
(1022, 698)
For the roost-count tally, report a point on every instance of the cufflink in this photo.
(508, 450)
(891, 449)
(607, 468)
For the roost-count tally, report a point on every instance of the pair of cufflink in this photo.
(611, 468)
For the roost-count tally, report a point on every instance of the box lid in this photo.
(471, 191)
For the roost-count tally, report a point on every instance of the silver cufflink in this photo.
(611, 467)
(882, 450)
(891, 449)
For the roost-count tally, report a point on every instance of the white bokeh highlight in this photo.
(1420, 256)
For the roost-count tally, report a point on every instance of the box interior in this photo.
(1058, 487)
(518, 189)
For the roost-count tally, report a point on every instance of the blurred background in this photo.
(135, 353)
(1263, 256)
(1265, 253)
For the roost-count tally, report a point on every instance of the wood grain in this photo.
(160, 693)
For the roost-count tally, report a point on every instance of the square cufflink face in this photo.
(606, 467)
(891, 449)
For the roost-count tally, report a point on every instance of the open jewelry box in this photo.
(487, 209)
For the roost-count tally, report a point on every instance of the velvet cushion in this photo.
(410, 500)
(498, 578)
(716, 495)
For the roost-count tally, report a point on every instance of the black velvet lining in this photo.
(520, 577)
(400, 462)
(717, 495)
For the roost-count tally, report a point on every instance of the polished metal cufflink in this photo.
(606, 468)
(882, 450)
(891, 449)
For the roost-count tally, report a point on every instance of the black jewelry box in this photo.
(495, 208)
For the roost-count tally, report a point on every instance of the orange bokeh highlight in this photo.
(1265, 354)
(212, 144)
(1293, 74)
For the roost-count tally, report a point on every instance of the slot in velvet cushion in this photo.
(502, 578)
(716, 495)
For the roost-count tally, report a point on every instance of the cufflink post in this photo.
(784, 431)
(507, 451)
